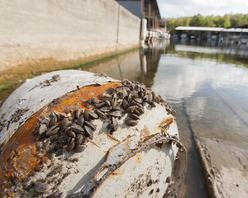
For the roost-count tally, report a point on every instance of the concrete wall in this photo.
(41, 34)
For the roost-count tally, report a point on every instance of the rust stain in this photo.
(165, 124)
(144, 132)
(159, 145)
(92, 142)
(23, 160)
(117, 172)
(20, 156)
(138, 158)
(112, 138)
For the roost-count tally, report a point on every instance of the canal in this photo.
(208, 88)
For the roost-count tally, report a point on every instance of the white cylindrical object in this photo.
(143, 29)
(143, 172)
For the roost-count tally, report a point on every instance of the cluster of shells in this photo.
(72, 129)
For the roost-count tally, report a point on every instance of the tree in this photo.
(223, 21)
(209, 21)
(235, 20)
(197, 20)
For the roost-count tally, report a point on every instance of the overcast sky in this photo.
(178, 8)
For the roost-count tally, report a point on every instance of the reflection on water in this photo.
(206, 85)
(182, 77)
(235, 50)
(211, 47)
(209, 90)
(138, 65)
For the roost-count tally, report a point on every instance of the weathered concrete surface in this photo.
(46, 35)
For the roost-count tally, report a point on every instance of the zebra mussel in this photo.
(72, 129)
(69, 130)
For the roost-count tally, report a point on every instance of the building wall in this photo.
(46, 33)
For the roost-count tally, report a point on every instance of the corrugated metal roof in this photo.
(212, 29)
(236, 30)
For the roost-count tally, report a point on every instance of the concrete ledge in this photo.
(209, 180)
(224, 177)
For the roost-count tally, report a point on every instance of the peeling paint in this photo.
(106, 157)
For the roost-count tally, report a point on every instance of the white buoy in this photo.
(75, 134)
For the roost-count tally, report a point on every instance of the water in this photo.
(205, 84)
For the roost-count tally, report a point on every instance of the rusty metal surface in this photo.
(35, 93)
(140, 155)
(20, 156)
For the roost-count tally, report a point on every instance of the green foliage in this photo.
(197, 20)
(233, 20)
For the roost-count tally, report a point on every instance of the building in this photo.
(148, 10)
(219, 34)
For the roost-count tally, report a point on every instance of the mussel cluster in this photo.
(73, 128)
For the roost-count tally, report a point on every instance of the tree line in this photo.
(227, 21)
